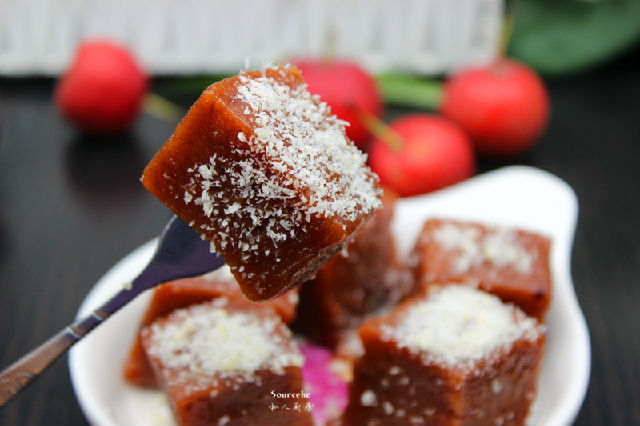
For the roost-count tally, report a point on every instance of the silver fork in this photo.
(180, 253)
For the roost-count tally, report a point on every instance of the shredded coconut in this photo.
(207, 341)
(458, 325)
(499, 246)
(368, 398)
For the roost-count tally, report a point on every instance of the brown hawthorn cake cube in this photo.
(189, 291)
(221, 363)
(366, 278)
(510, 263)
(263, 170)
(458, 356)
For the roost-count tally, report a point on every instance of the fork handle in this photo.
(180, 248)
(15, 377)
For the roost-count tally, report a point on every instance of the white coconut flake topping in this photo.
(302, 139)
(499, 246)
(208, 341)
(298, 165)
(458, 325)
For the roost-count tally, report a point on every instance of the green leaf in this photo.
(561, 36)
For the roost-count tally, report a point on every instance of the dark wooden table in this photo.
(70, 207)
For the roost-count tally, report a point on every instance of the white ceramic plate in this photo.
(517, 196)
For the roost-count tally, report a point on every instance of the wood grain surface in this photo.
(70, 207)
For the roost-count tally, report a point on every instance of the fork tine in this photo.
(181, 253)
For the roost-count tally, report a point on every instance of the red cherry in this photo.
(346, 88)
(434, 153)
(503, 107)
(103, 88)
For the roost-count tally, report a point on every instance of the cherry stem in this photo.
(161, 108)
(378, 128)
(508, 26)
(410, 91)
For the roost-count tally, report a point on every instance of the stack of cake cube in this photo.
(454, 334)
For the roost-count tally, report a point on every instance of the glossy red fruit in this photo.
(434, 153)
(346, 87)
(103, 88)
(503, 107)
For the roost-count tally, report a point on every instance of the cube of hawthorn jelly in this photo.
(458, 356)
(182, 293)
(365, 279)
(264, 171)
(227, 362)
(510, 263)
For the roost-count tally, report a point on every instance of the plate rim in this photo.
(567, 412)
